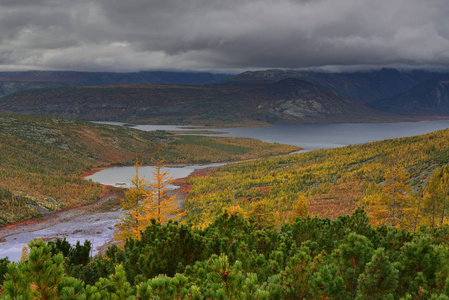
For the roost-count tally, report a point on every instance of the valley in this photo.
(253, 241)
(43, 159)
(63, 178)
(327, 198)
(224, 150)
(46, 148)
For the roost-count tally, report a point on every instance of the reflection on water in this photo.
(320, 136)
(166, 127)
(121, 176)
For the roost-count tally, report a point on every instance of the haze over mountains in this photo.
(271, 96)
(428, 98)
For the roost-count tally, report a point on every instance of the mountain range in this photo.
(11, 82)
(428, 98)
(249, 98)
(361, 86)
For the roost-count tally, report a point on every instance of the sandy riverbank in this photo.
(87, 222)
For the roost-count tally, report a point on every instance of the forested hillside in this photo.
(43, 158)
(233, 258)
(291, 227)
(333, 182)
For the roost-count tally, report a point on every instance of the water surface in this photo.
(322, 136)
(121, 176)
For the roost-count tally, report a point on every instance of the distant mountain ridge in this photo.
(253, 97)
(428, 98)
(11, 82)
(361, 86)
(289, 100)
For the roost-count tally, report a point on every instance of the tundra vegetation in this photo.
(43, 159)
(401, 183)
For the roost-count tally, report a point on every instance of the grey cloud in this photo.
(21, 3)
(131, 35)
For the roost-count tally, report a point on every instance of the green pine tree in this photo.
(380, 279)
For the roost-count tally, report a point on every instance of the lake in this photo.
(321, 136)
(307, 136)
(121, 176)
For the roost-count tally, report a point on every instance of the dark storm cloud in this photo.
(130, 35)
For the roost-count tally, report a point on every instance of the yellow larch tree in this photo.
(436, 198)
(157, 204)
(263, 213)
(25, 254)
(132, 205)
(394, 205)
(234, 210)
(301, 208)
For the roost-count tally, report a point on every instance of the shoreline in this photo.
(13, 237)
(111, 191)
(46, 221)
(83, 216)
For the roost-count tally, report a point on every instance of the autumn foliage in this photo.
(388, 178)
(147, 202)
(43, 160)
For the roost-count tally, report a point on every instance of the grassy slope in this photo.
(332, 180)
(42, 158)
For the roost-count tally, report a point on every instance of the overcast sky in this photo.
(222, 35)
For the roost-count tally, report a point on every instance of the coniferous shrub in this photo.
(232, 259)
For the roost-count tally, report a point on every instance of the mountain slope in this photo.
(11, 82)
(362, 86)
(292, 100)
(428, 98)
(286, 101)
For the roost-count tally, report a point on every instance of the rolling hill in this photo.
(247, 99)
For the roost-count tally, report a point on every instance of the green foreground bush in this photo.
(231, 259)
